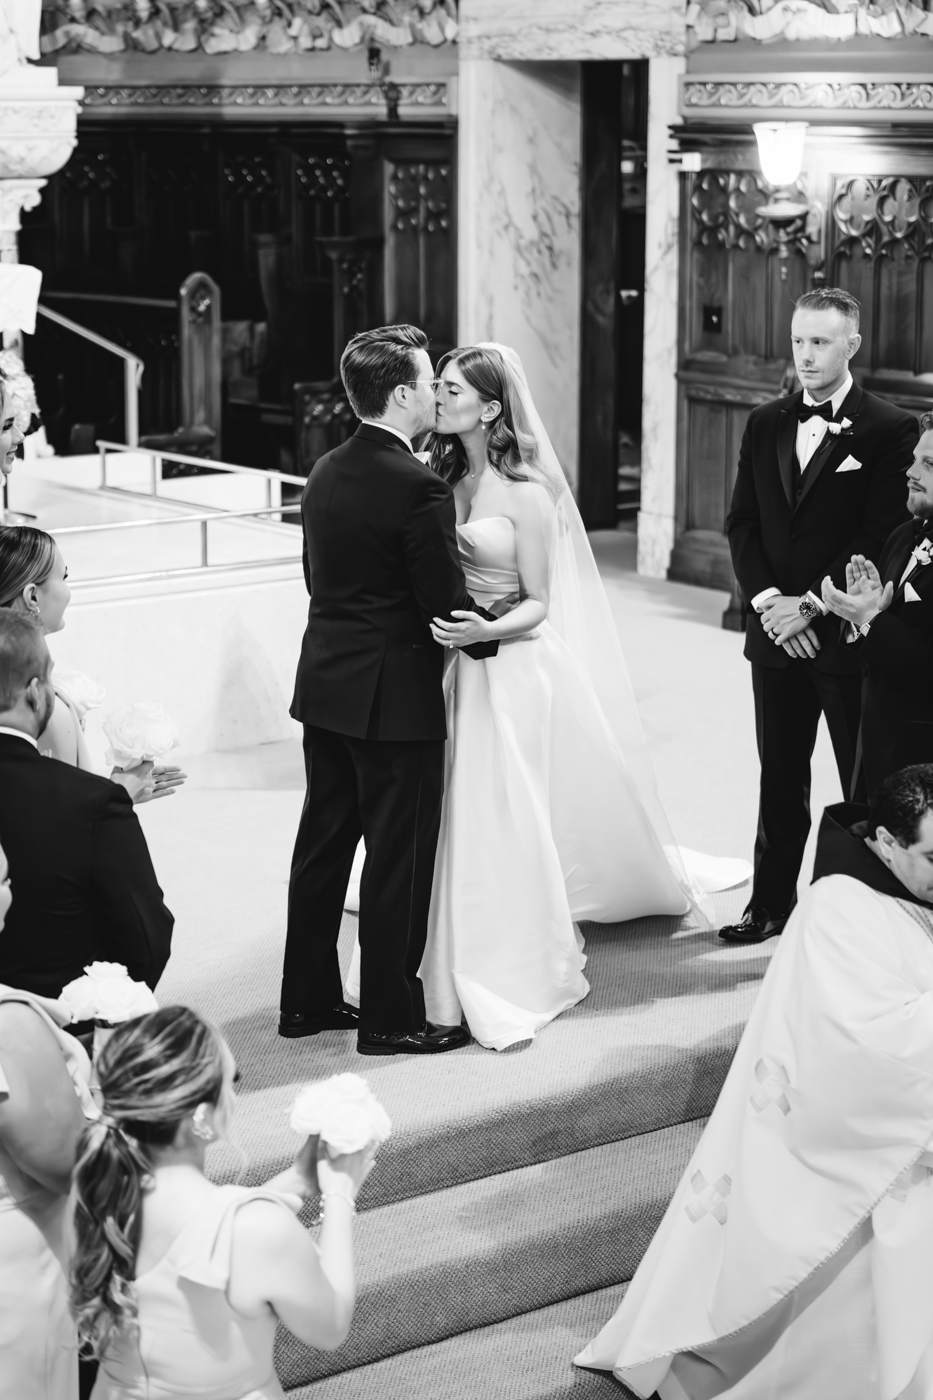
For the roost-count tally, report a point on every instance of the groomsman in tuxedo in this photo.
(820, 478)
(889, 610)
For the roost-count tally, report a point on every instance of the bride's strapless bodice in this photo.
(488, 555)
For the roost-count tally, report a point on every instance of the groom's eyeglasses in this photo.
(433, 382)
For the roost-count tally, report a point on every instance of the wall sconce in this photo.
(780, 150)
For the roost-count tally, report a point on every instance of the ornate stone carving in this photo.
(420, 197)
(37, 128)
(834, 95)
(305, 95)
(711, 20)
(245, 26)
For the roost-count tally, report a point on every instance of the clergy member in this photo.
(796, 1257)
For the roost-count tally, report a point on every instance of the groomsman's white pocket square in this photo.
(851, 464)
(910, 594)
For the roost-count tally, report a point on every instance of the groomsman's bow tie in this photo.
(921, 528)
(816, 410)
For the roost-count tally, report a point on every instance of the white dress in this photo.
(541, 825)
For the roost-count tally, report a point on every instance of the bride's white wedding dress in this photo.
(550, 813)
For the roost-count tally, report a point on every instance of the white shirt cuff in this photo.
(761, 598)
(818, 601)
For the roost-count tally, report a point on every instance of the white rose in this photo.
(106, 992)
(83, 693)
(343, 1111)
(139, 732)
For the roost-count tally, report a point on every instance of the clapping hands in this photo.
(865, 596)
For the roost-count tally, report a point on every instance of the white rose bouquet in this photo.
(107, 995)
(83, 693)
(139, 733)
(343, 1111)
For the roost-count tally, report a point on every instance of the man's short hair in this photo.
(831, 299)
(926, 422)
(375, 362)
(901, 803)
(22, 655)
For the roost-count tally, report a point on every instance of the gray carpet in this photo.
(471, 1255)
(524, 1358)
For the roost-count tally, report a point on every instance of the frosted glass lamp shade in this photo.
(780, 150)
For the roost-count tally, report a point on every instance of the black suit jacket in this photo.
(83, 884)
(897, 659)
(779, 542)
(381, 560)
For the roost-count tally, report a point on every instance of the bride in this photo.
(550, 811)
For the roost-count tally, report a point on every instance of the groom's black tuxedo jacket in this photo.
(381, 560)
(897, 660)
(791, 540)
(83, 885)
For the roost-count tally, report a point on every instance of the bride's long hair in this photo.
(153, 1072)
(511, 444)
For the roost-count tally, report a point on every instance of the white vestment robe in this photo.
(796, 1257)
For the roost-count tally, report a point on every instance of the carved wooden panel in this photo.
(419, 247)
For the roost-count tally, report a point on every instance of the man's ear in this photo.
(853, 346)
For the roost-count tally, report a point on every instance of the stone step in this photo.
(529, 1357)
(473, 1255)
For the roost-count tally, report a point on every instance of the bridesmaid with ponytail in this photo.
(177, 1285)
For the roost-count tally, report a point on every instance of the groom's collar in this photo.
(373, 428)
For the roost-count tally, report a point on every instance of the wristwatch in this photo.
(807, 608)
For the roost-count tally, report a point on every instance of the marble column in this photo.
(659, 395)
(519, 227)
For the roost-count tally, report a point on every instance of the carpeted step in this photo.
(476, 1254)
(648, 1048)
(524, 1358)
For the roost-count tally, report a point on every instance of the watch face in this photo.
(808, 608)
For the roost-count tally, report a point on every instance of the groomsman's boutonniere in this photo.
(922, 553)
(843, 429)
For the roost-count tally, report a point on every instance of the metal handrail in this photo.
(202, 518)
(158, 456)
(133, 368)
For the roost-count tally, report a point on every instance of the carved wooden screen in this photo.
(420, 258)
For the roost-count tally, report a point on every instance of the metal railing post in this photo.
(131, 401)
(203, 544)
(103, 467)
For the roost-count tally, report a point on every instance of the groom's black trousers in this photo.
(389, 792)
(788, 703)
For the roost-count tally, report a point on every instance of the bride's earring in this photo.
(200, 1126)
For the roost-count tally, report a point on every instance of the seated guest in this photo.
(45, 1103)
(33, 581)
(890, 612)
(178, 1285)
(796, 1257)
(86, 889)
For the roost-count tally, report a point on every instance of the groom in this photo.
(380, 561)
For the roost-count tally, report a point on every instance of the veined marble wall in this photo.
(519, 228)
(571, 29)
(659, 394)
(519, 220)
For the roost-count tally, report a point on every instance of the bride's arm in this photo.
(532, 516)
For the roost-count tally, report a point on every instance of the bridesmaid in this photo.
(33, 580)
(45, 1104)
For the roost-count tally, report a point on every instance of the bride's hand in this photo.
(472, 628)
(144, 781)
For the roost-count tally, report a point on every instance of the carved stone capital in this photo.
(37, 129)
(15, 197)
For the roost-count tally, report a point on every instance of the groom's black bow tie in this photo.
(921, 528)
(816, 410)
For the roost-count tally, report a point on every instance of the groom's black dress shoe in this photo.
(342, 1017)
(433, 1040)
(754, 927)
